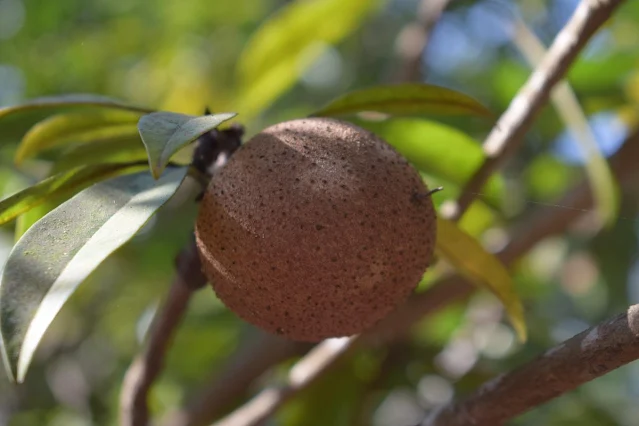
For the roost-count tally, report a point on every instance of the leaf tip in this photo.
(516, 314)
(9, 367)
(19, 157)
(521, 331)
(156, 171)
(22, 369)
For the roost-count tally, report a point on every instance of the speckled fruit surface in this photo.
(315, 228)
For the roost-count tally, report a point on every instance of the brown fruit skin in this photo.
(313, 230)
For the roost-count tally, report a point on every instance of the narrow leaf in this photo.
(70, 100)
(438, 150)
(76, 127)
(604, 186)
(59, 185)
(287, 43)
(120, 149)
(411, 99)
(468, 256)
(56, 254)
(165, 133)
(27, 219)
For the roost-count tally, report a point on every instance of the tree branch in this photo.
(506, 136)
(146, 367)
(588, 355)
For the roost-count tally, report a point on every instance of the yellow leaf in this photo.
(468, 256)
(286, 44)
(76, 127)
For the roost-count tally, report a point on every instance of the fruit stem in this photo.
(418, 196)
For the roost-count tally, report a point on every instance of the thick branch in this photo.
(147, 366)
(585, 357)
(507, 135)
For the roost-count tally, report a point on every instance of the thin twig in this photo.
(548, 221)
(413, 39)
(506, 136)
(147, 366)
(591, 354)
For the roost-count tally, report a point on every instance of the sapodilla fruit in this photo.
(315, 228)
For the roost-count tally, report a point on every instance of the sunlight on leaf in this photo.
(27, 219)
(411, 99)
(286, 44)
(59, 185)
(57, 253)
(77, 127)
(70, 100)
(438, 150)
(468, 256)
(165, 133)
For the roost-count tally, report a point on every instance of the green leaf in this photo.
(411, 99)
(27, 219)
(438, 329)
(602, 73)
(120, 149)
(316, 406)
(56, 254)
(165, 133)
(70, 100)
(76, 127)
(438, 150)
(60, 185)
(547, 178)
(468, 256)
(286, 44)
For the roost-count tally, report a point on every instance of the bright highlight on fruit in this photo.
(315, 228)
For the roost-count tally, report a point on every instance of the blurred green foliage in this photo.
(183, 56)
